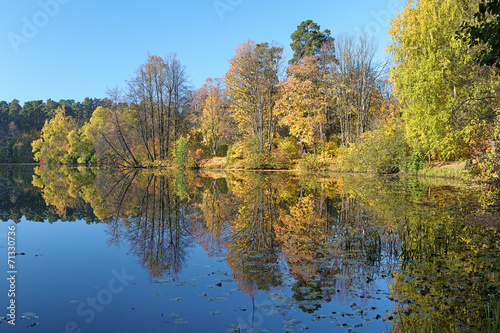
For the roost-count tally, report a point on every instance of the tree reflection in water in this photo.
(328, 239)
(151, 219)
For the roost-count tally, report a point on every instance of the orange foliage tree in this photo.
(301, 104)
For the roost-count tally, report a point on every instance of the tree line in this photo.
(260, 108)
(21, 125)
(334, 106)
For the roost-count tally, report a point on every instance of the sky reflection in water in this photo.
(143, 252)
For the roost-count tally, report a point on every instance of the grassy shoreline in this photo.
(448, 170)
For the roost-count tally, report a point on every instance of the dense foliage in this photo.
(21, 125)
(333, 107)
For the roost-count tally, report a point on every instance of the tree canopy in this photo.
(307, 40)
(484, 29)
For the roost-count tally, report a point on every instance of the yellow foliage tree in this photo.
(443, 94)
(52, 147)
(251, 84)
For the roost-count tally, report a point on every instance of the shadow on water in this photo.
(329, 239)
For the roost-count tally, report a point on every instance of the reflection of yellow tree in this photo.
(141, 209)
(217, 210)
(329, 246)
(62, 187)
(448, 274)
(209, 236)
(336, 235)
(114, 194)
(303, 234)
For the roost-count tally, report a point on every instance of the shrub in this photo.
(279, 160)
(246, 156)
(222, 150)
(331, 148)
(311, 162)
(181, 152)
(276, 160)
(415, 163)
(485, 168)
(383, 150)
(235, 155)
(289, 146)
(199, 154)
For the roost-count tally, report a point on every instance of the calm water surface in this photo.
(136, 251)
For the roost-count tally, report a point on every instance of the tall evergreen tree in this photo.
(307, 40)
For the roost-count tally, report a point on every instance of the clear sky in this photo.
(72, 49)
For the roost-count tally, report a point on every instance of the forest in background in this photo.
(334, 106)
(21, 125)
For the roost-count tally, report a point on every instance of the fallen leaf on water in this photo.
(176, 299)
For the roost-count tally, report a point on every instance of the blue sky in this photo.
(72, 49)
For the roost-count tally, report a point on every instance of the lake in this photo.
(143, 251)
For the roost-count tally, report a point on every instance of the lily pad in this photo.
(182, 284)
(28, 315)
(162, 281)
(180, 321)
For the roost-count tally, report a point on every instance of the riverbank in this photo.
(451, 170)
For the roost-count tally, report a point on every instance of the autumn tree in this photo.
(301, 104)
(114, 135)
(80, 148)
(353, 81)
(252, 85)
(214, 119)
(484, 29)
(158, 91)
(53, 144)
(446, 99)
